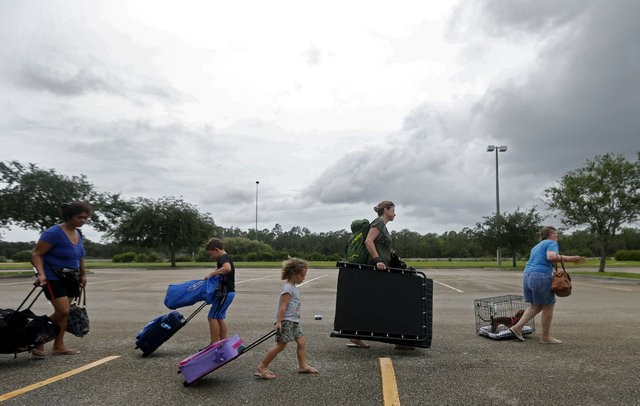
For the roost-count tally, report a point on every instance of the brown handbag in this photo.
(561, 281)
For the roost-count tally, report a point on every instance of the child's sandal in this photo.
(266, 374)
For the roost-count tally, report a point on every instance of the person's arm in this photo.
(36, 259)
(282, 308)
(555, 257)
(225, 268)
(83, 274)
(369, 242)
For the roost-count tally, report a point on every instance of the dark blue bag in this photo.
(168, 322)
(188, 293)
(159, 330)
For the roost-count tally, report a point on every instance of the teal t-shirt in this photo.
(538, 261)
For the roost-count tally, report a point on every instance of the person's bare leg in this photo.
(222, 324)
(214, 330)
(546, 318)
(262, 370)
(60, 314)
(303, 367)
(530, 313)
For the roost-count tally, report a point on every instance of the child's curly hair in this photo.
(292, 266)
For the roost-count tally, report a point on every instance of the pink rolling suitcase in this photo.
(214, 356)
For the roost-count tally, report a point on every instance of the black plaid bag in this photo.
(78, 320)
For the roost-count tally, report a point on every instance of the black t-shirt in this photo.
(227, 280)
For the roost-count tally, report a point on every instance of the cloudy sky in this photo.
(332, 106)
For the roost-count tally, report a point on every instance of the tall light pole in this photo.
(257, 183)
(501, 148)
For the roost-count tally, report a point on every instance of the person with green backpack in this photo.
(371, 244)
(378, 241)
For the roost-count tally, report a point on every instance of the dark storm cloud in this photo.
(75, 81)
(423, 168)
(69, 77)
(501, 18)
(581, 98)
(577, 100)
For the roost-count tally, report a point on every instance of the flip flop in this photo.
(357, 344)
(266, 374)
(403, 347)
(551, 340)
(36, 353)
(68, 351)
(519, 336)
(309, 370)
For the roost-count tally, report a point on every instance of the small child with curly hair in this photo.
(287, 322)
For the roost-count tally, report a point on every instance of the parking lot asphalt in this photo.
(598, 362)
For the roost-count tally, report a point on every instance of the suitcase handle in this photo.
(35, 286)
(259, 341)
(195, 312)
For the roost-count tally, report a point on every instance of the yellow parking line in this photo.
(40, 384)
(389, 387)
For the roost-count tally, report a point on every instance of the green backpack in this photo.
(356, 250)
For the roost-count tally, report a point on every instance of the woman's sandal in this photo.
(357, 343)
(265, 374)
(36, 353)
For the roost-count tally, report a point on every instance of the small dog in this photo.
(506, 321)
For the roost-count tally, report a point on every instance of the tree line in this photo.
(603, 196)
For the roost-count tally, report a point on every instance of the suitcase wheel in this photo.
(185, 384)
(240, 349)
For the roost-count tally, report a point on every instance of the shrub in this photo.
(183, 258)
(141, 257)
(3, 258)
(252, 257)
(315, 256)
(22, 256)
(153, 257)
(124, 257)
(627, 255)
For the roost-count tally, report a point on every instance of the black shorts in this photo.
(61, 288)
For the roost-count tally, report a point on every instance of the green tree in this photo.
(168, 224)
(514, 231)
(580, 242)
(31, 197)
(604, 194)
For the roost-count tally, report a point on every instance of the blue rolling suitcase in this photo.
(161, 329)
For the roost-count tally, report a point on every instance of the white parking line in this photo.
(603, 286)
(16, 283)
(254, 279)
(450, 287)
(311, 280)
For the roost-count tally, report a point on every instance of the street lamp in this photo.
(501, 148)
(257, 183)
